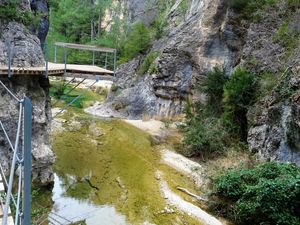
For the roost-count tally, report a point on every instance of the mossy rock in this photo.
(118, 105)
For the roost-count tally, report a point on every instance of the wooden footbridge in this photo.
(56, 69)
(63, 69)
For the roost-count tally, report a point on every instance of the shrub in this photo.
(213, 87)
(183, 7)
(267, 83)
(248, 8)
(147, 63)
(137, 42)
(203, 136)
(266, 194)
(239, 94)
(9, 11)
(287, 37)
(239, 5)
(159, 23)
(114, 88)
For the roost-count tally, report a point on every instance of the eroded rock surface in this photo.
(275, 123)
(25, 52)
(203, 39)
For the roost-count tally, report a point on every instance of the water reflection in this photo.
(68, 210)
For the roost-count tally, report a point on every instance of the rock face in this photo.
(140, 10)
(26, 51)
(210, 34)
(203, 39)
(24, 47)
(41, 8)
(274, 121)
(37, 90)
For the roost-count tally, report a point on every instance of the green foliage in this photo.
(287, 37)
(284, 89)
(204, 134)
(249, 8)
(212, 127)
(158, 25)
(148, 63)
(267, 83)
(160, 21)
(266, 194)
(114, 88)
(213, 87)
(248, 5)
(71, 21)
(183, 7)
(137, 42)
(239, 94)
(9, 11)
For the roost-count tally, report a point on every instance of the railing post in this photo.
(105, 61)
(93, 58)
(66, 58)
(55, 54)
(47, 60)
(27, 160)
(115, 61)
(9, 59)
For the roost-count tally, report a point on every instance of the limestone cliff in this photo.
(195, 41)
(26, 51)
(274, 120)
(211, 33)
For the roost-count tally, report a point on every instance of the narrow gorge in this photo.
(195, 122)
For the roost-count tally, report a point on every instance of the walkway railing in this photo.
(20, 163)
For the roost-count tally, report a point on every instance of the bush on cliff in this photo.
(212, 127)
(204, 135)
(213, 87)
(239, 95)
(9, 12)
(266, 194)
(137, 42)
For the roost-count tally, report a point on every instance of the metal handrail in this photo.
(22, 211)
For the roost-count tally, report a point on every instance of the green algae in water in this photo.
(118, 168)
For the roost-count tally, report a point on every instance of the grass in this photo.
(287, 38)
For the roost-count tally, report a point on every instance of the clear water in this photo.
(74, 210)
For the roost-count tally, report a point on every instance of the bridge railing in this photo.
(20, 164)
(101, 56)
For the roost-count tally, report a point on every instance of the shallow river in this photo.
(105, 174)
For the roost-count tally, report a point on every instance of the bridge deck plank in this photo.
(56, 69)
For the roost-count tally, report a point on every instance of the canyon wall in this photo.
(25, 52)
